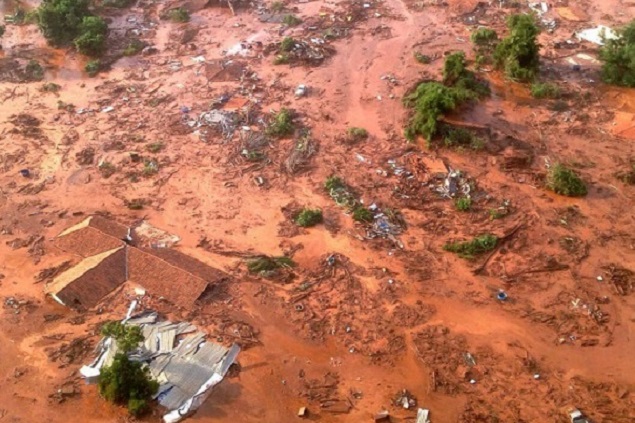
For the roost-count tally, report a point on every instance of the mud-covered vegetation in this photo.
(565, 181)
(309, 217)
(542, 90)
(470, 249)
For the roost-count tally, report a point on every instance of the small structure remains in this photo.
(186, 366)
(111, 257)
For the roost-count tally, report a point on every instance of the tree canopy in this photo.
(518, 53)
(618, 57)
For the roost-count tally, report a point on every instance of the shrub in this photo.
(545, 90)
(362, 214)
(291, 20)
(287, 44)
(333, 183)
(518, 53)
(150, 168)
(34, 71)
(469, 249)
(50, 87)
(277, 6)
(178, 15)
(484, 38)
(565, 181)
(628, 177)
(135, 204)
(459, 137)
(267, 264)
(134, 47)
(120, 4)
(422, 58)
(357, 134)
(281, 59)
(60, 20)
(92, 40)
(463, 204)
(128, 337)
(431, 100)
(309, 217)
(127, 383)
(281, 125)
(92, 68)
(2, 30)
(155, 147)
(618, 57)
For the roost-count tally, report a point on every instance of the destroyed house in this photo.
(85, 284)
(92, 236)
(108, 262)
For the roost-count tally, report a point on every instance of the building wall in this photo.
(91, 287)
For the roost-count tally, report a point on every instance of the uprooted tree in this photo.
(126, 382)
(618, 57)
(63, 22)
(518, 53)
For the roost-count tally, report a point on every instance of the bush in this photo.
(309, 217)
(333, 183)
(277, 6)
(34, 71)
(128, 337)
(545, 90)
(92, 40)
(287, 44)
(618, 57)
(155, 147)
(120, 4)
(127, 383)
(178, 15)
(565, 181)
(628, 176)
(362, 214)
(281, 59)
(469, 249)
(2, 30)
(459, 137)
(50, 87)
(422, 58)
(431, 100)
(357, 134)
(484, 38)
(92, 68)
(518, 53)
(267, 264)
(281, 125)
(291, 20)
(463, 204)
(134, 47)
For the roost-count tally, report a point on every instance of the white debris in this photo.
(597, 35)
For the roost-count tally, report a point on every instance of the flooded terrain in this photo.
(178, 135)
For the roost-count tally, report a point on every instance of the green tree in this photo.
(518, 53)
(92, 40)
(127, 337)
(127, 383)
(60, 20)
(618, 55)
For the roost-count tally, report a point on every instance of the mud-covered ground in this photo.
(390, 313)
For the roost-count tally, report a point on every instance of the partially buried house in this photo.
(110, 258)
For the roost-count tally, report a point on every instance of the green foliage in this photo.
(291, 20)
(469, 249)
(431, 100)
(150, 168)
(518, 53)
(463, 204)
(277, 6)
(309, 217)
(281, 59)
(128, 337)
(618, 57)
(60, 20)
(2, 30)
(281, 124)
(119, 4)
(460, 137)
(362, 214)
(497, 213)
(484, 38)
(545, 90)
(340, 192)
(134, 47)
(127, 383)
(178, 15)
(628, 176)
(333, 183)
(92, 41)
(287, 44)
(565, 181)
(93, 67)
(357, 134)
(267, 264)
(422, 58)
(34, 71)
